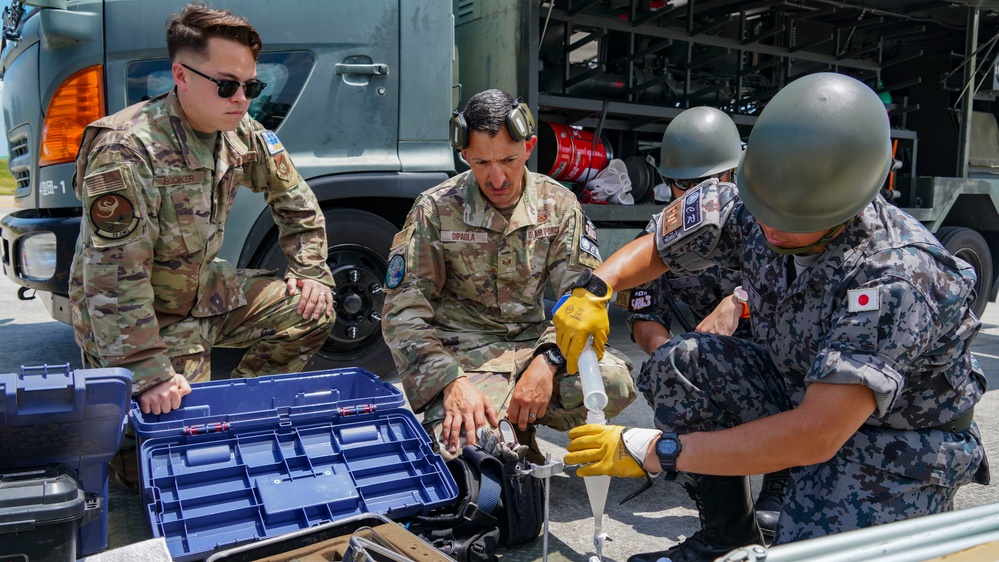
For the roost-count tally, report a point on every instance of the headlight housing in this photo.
(37, 258)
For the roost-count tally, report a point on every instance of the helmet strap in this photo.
(826, 238)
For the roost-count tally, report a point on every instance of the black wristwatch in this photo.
(587, 280)
(553, 356)
(668, 449)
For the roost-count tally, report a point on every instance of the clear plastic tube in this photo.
(595, 399)
(594, 396)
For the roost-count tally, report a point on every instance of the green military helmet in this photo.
(818, 154)
(701, 141)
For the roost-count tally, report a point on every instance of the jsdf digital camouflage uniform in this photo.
(884, 306)
(465, 289)
(146, 287)
(700, 290)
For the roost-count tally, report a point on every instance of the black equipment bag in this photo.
(498, 503)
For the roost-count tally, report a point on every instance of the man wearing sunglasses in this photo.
(701, 145)
(157, 181)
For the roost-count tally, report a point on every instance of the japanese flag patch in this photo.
(863, 300)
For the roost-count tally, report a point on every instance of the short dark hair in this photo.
(190, 30)
(486, 111)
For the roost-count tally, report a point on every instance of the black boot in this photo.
(725, 506)
(770, 501)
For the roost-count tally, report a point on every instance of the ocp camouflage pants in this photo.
(278, 339)
(565, 410)
(704, 382)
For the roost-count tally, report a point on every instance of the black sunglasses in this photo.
(684, 185)
(227, 88)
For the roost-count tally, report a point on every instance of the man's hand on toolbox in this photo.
(609, 450)
(165, 396)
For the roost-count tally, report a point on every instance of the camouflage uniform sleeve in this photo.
(572, 251)
(876, 345)
(294, 207)
(692, 233)
(115, 252)
(414, 281)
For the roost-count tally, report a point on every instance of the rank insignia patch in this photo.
(113, 216)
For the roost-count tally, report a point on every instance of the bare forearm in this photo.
(632, 265)
(811, 433)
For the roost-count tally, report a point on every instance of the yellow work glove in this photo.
(604, 451)
(579, 316)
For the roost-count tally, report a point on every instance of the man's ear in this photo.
(530, 144)
(179, 76)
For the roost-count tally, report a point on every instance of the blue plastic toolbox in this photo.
(52, 415)
(246, 459)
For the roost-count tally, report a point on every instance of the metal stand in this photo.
(545, 472)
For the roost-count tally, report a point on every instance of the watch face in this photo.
(741, 295)
(667, 447)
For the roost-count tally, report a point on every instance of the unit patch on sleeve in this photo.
(282, 167)
(272, 142)
(396, 269)
(692, 210)
(113, 216)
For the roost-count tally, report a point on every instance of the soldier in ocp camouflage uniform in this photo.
(157, 181)
(861, 378)
(464, 315)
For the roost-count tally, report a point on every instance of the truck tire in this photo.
(358, 251)
(971, 247)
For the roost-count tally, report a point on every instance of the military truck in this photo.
(360, 94)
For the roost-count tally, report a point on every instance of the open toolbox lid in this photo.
(249, 459)
(51, 414)
(268, 401)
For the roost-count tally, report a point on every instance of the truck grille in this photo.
(22, 175)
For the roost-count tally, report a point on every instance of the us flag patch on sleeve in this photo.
(863, 300)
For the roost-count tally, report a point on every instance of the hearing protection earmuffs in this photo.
(519, 122)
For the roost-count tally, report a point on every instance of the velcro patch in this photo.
(542, 232)
(272, 142)
(181, 179)
(395, 272)
(464, 236)
(692, 209)
(641, 299)
(104, 182)
(863, 300)
(671, 218)
(113, 216)
(282, 167)
(402, 237)
(589, 246)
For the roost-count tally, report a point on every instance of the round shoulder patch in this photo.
(396, 269)
(113, 216)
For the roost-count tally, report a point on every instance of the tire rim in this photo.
(359, 273)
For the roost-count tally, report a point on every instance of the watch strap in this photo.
(587, 280)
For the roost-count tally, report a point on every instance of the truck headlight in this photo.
(38, 255)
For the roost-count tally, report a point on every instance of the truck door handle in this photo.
(372, 69)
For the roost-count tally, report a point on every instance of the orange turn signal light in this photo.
(77, 102)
